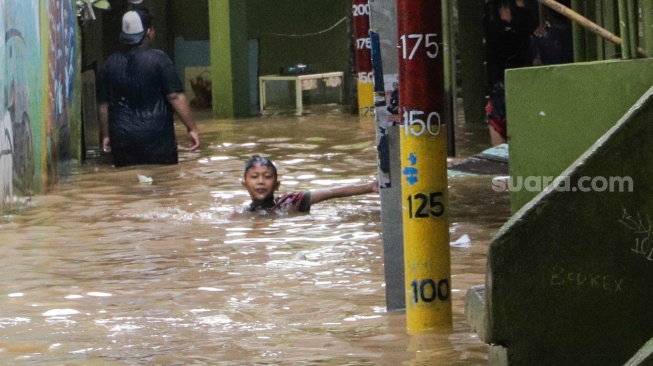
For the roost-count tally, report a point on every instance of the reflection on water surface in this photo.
(105, 270)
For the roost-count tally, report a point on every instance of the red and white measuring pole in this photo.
(364, 74)
(425, 207)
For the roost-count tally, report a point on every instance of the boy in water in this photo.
(261, 182)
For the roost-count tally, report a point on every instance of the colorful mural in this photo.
(61, 84)
(20, 84)
(6, 132)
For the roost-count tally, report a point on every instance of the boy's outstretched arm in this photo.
(346, 191)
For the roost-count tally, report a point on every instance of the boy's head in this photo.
(260, 178)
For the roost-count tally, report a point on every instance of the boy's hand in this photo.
(374, 185)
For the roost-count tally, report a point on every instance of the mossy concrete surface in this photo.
(475, 311)
(569, 277)
(555, 113)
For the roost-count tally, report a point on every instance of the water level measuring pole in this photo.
(364, 74)
(423, 140)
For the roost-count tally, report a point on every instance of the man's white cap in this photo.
(132, 28)
(135, 1)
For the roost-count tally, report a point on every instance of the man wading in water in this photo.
(138, 90)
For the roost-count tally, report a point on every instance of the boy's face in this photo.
(261, 182)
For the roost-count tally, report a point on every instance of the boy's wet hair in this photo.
(261, 161)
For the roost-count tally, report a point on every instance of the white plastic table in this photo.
(331, 79)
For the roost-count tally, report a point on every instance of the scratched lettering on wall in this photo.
(20, 58)
(595, 281)
(641, 226)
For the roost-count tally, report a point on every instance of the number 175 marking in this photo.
(430, 45)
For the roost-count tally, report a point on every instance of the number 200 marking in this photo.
(429, 43)
(361, 9)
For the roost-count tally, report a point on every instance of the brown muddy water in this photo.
(104, 270)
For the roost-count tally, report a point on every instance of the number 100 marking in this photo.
(427, 291)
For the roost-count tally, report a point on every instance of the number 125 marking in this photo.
(430, 45)
(428, 205)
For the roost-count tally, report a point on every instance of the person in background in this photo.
(138, 92)
(261, 181)
(553, 39)
(508, 26)
(393, 107)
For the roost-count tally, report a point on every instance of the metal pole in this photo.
(364, 74)
(425, 194)
(578, 34)
(623, 29)
(632, 27)
(600, 49)
(647, 23)
(449, 77)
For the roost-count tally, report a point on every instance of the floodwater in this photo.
(105, 270)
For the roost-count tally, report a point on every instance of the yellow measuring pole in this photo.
(365, 97)
(427, 258)
(425, 196)
(364, 74)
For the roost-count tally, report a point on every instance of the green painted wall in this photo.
(569, 275)
(290, 32)
(557, 112)
(315, 33)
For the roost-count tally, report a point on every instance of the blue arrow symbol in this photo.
(411, 175)
(412, 158)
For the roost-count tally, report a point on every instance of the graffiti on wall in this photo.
(61, 77)
(20, 57)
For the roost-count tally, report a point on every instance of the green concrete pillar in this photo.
(229, 58)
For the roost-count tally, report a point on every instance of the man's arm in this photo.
(181, 106)
(325, 194)
(103, 114)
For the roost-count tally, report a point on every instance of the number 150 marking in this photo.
(430, 43)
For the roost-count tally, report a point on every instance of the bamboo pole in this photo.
(574, 16)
